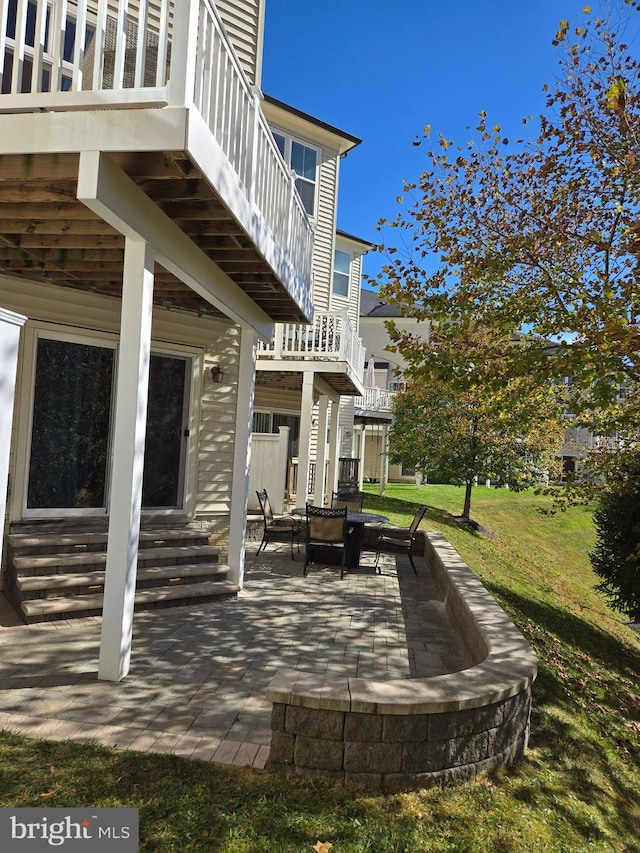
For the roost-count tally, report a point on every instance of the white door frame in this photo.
(24, 410)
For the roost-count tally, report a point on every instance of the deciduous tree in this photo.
(541, 235)
(461, 417)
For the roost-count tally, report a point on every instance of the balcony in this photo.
(331, 341)
(375, 400)
(172, 107)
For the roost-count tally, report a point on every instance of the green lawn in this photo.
(577, 789)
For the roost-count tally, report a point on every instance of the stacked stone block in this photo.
(415, 733)
(390, 752)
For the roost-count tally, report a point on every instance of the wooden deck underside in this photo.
(46, 234)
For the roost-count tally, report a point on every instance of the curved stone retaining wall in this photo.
(414, 733)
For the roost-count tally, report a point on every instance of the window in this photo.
(304, 161)
(341, 269)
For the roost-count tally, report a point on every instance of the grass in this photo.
(576, 790)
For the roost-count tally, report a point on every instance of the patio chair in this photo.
(400, 540)
(284, 529)
(327, 535)
(352, 500)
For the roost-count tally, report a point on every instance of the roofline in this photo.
(347, 137)
(352, 237)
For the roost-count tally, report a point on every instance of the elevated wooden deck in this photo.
(165, 98)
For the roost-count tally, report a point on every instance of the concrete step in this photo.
(87, 605)
(33, 543)
(59, 563)
(45, 585)
(59, 573)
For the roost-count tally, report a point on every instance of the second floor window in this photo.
(341, 270)
(304, 161)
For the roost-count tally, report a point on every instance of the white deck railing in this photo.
(375, 400)
(75, 54)
(331, 337)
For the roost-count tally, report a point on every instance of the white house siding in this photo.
(269, 399)
(345, 427)
(375, 337)
(217, 426)
(244, 22)
(325, 232)
(214, 340)
(354, 291)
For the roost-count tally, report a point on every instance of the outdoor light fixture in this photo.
(217, 374)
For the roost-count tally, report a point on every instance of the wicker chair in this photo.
(400, 540)
(326, 534)
(285, 529)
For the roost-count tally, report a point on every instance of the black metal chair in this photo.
(326, 535)
(352, 500)
(283, 529)
(400, 540)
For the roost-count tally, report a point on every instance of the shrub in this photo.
(616, 556)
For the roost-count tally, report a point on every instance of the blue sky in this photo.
(383, 70)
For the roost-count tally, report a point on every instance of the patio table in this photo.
(355, 530)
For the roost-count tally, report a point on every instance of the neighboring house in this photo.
(579, 442)
(373, 412)
(385, 370)
(151, 234)
(308, 376)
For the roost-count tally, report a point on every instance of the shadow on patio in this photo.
(199, 674)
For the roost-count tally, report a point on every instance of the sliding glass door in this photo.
(167, 416)
(70, 426)
(70, 447)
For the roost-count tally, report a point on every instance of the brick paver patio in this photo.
(199, 674)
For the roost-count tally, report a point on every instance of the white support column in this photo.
(362, 450)
(279, 503)
(242, 454)
(304, 443)
(334, 447)
(321, 452)
(10, 325)
(127, 460)
(384, 460)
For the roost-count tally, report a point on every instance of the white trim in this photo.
(10, 335)
(12, 318)
(33, 336)
(127, 461)
(24, 414)
(321, 450)
(242, 454)
(73, 131)
(306, 429)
